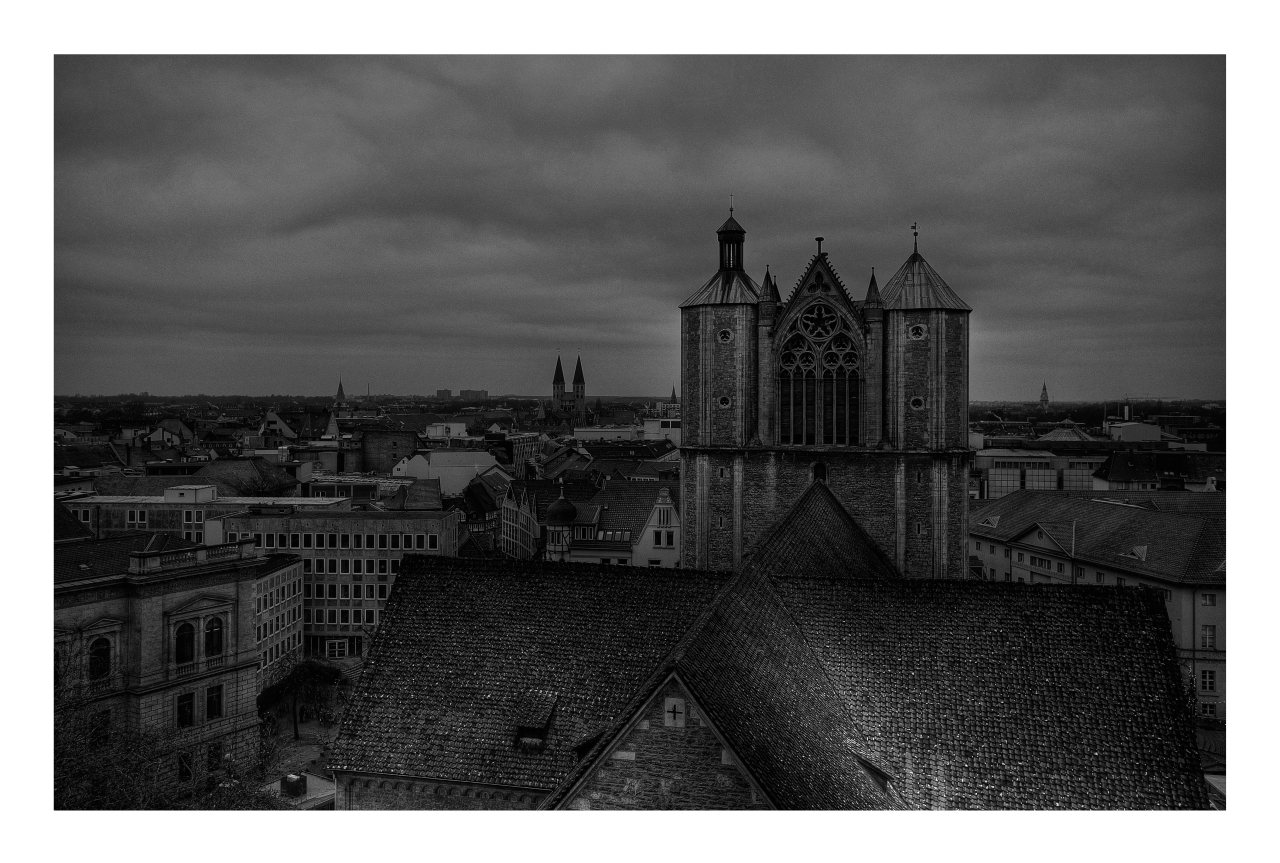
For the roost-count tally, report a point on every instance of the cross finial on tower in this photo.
(731, 205)
(915, 243)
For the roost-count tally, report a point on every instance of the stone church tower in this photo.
(574, 402)
(870, 396)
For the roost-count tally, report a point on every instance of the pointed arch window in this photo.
(818, 380)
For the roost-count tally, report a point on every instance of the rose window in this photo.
(819, 321)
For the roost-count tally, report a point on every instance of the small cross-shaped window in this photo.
(673, 713)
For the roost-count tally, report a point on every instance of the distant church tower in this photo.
(1044, 396)
(869, 396)
(557, 387)
(579, 393)
(341, 397)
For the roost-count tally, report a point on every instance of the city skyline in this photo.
(268, 225)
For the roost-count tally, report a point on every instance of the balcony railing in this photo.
(215, 662)
(187, 668)
(141, 562)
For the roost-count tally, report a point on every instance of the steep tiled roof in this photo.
(818, 537)
(66, 526)
(917, 285)
(1180, 546)
(544, 492)
(967, 694)
(461, 642)
(994, 695)
(765, 691)
(749, 669)
(628, 505)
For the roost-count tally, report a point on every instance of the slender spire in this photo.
(559, 375)
(873, 292)
(769, 288)
(673, 393)
(578, 379)
(341, 395)
(915, 239)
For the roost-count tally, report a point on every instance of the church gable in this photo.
(668, 758)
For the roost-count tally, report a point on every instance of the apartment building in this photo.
(349, 562)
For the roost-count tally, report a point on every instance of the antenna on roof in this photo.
(915, 243)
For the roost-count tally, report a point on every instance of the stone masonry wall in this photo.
(663, 766)
(900, 499)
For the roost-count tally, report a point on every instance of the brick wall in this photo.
(380, 450)
(663, 766)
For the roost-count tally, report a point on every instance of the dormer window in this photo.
(1138, 552)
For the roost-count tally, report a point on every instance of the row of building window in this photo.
(335, 616)
(274, 597)
(345, 591)
(670, 539)
(277, 623)
(425, 541)
(275, 651)
(350, 566)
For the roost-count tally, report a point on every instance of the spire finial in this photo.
(819, 239)
(915, 243)
(731, 205)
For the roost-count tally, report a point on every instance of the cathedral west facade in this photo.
(870, 396)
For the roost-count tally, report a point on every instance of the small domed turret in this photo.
(562, 512)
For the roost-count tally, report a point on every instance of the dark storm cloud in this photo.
(266, 224)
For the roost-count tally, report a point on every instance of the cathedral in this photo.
(868, 396)
(573, 402)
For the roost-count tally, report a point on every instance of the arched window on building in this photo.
(99, 658)
(818, 380)
(213, 637)
(184, 644)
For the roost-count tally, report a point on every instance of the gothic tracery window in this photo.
(818, 380)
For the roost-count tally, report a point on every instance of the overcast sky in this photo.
(262, 226)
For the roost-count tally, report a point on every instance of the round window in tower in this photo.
(725, 336)
(917, 332)
(917, 403)
(724, 401)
